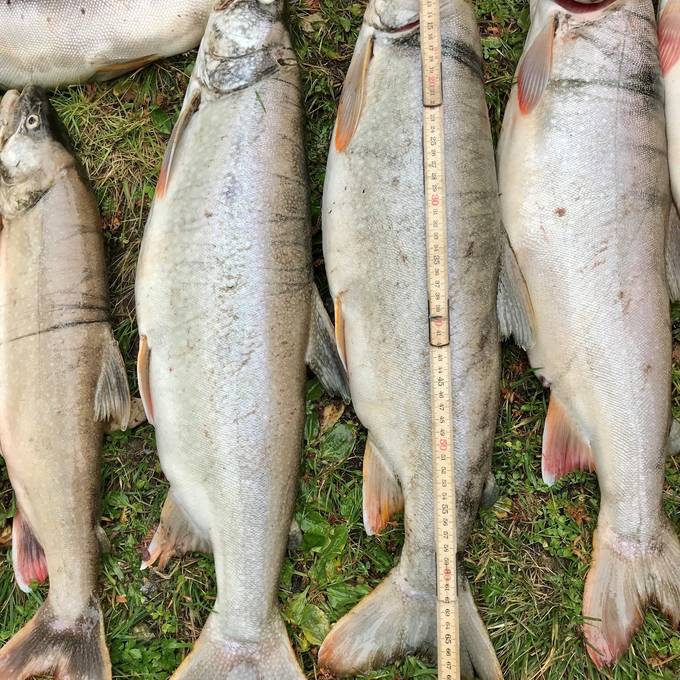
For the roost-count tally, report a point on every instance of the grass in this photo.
(531, 551)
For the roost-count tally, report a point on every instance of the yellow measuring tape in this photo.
(440, 355)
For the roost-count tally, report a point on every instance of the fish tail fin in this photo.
(395, 620)
(218, 657)
(624, 578)
(74, 650)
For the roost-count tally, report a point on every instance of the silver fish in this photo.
(585, 201)
(374, 247)
(61, 379)
(228, 313)
(62, 42)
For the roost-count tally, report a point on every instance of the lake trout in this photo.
(62, 379)
(63, 42)
(585, 201)
(228, 315)
(375, 252)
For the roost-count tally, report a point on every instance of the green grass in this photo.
(530, 554)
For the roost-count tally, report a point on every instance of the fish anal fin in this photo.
(28, 557)
(382, 493)
(534, 71)
(108, 70)
(143, 377)
(669, 36)
(112, 398)
(353, 93)
(564, 447)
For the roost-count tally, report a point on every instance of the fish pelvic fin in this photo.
(382, 494)
(534, 70)
(669, 36)
(144, 377)
(322, 352)
(220, 658)
(176, 535)
(108, 70)
(73, 650)
(28, 557)
(395, 621)
(623, 579)
(112, 402)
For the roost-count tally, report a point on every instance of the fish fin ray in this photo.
(28, 556)
(564, 447)
(144, 377)
(111, 69)
(669, 36)
(353, 93)
(176, 535)
(533, 74)
(673, 254)
(340, 330)
(322, 352)
(382, 495)
(112, 397)
(621, 582)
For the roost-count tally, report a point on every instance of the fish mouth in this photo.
(405, 28)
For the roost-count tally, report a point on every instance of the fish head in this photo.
(33, 145)
(393, 16)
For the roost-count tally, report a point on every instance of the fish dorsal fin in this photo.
(185, 116)
(322, 353)
(353, 93)
(564, 447)
(28, 557)
(144, 378)
(382, 493)
(673, 255)
(533, 74)
(515, 311)
(669, 36)
(112, 398)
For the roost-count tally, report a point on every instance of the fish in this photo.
(66, 42)
(374, 244)
(62, 383)
(228, 316)
(585, 199)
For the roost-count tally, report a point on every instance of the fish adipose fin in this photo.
(143, 377)
(515, 311)
(395, 621)
(64, 650)
(673, 254)
(112, 399)
(353, 93)
(322, 352)
(382, 492)
(533, 74)
(28, 557)
(564, 447)
(669, 36)
(623, 579)
(217, 658)
(176, 535)
(108, 70)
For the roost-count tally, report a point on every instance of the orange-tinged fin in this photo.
(188, 111)
(176, 535)
(106, 71)
(623, 579)
(353, 93)
(112, 399)
(340, 330)
(65, 650)
(28, 557)
(143, 377)
(382, 493)
(669, 36)
(534, 71)
(564, 448)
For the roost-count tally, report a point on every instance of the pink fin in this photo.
(28, 557)
(669, 36)
(564, 449)
(534, 71)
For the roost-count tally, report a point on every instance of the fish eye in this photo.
(33, 122)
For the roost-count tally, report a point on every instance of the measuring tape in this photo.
(448, 658)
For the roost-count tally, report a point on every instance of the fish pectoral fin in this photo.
(669, 35)
(176, 535)
(673, 255)
(674, 439)
(353, 92)
(515, 310)
(322, 352)
(382, 493)
(188, 110)
(103, 540)
(28, 557)
(112, 397)
(143, 377)
(533, 74)
(564, 446)
(106, 70)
